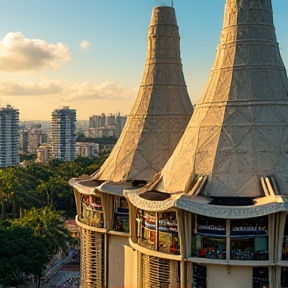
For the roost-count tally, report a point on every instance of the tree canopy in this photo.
(20, 252)
(39, 185)
(46, 223)
(34, 202)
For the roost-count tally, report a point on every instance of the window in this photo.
(249, 239)
(285, 241)
(168, 233)
(260, 277)
(121, 214)
(284, 277)
(209, 238)
(158, 231)
(199, 276)
(91, 211)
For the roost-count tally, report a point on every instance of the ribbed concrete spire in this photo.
(162, 109)
(238, 131)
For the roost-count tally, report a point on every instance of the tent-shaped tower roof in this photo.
(238, 132)
(161, 112)
(158, 119)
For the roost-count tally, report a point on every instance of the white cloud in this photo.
(20, 54)
(85, 45)
(13, 88)
(68, 91)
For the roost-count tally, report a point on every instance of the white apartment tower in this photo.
(9, 143)
(63, 133)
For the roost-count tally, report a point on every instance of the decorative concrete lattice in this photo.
(160, 277)
(92, 259)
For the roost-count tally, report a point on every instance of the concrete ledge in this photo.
(154, 253)
(88, 227)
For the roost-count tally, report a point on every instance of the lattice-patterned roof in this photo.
(239, 130)
(161, 112)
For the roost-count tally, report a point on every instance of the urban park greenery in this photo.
(34, 202)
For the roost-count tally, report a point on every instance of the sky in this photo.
(90, 54)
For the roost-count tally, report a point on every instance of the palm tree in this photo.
(17, 189)
(47, 224)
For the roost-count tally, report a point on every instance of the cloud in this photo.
(85, 45)
(20, 54)
(13, 88)
(68, 91)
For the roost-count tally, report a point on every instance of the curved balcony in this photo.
(158, 231)
(87, 227)
(91, 211)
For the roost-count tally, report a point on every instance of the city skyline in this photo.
(90, 55)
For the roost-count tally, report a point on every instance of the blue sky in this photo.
(103, 73)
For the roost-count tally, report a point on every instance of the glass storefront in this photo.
(284, 277)
(209, 238)
(158, 231)
(91, 211)
(248, 238)
(199, 276)
(121, 214)
(260, 277)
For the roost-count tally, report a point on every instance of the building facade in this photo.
(215, 215)
(86, 149)
(43, 153)
(152, 130)
(23, 141)
(105, 126)
(9, 140)
(63, 134)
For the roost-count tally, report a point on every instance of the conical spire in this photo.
(161, 112)
(239, 130)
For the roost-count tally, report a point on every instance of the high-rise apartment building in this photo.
(23, 141)
(63, 133)
(105, 126)
(9, 141)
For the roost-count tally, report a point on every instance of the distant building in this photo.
(31, 139)
(120, 122)
(105, 126)
(63, 133)
(87, 149)
(23, 141)
(36, 137)
(9, 141)
(43, 153)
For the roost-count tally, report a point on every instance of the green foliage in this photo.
(46, 223)
(39, 185)
(27, 157)
(16, 190)
(20, 251)
(31, 226)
